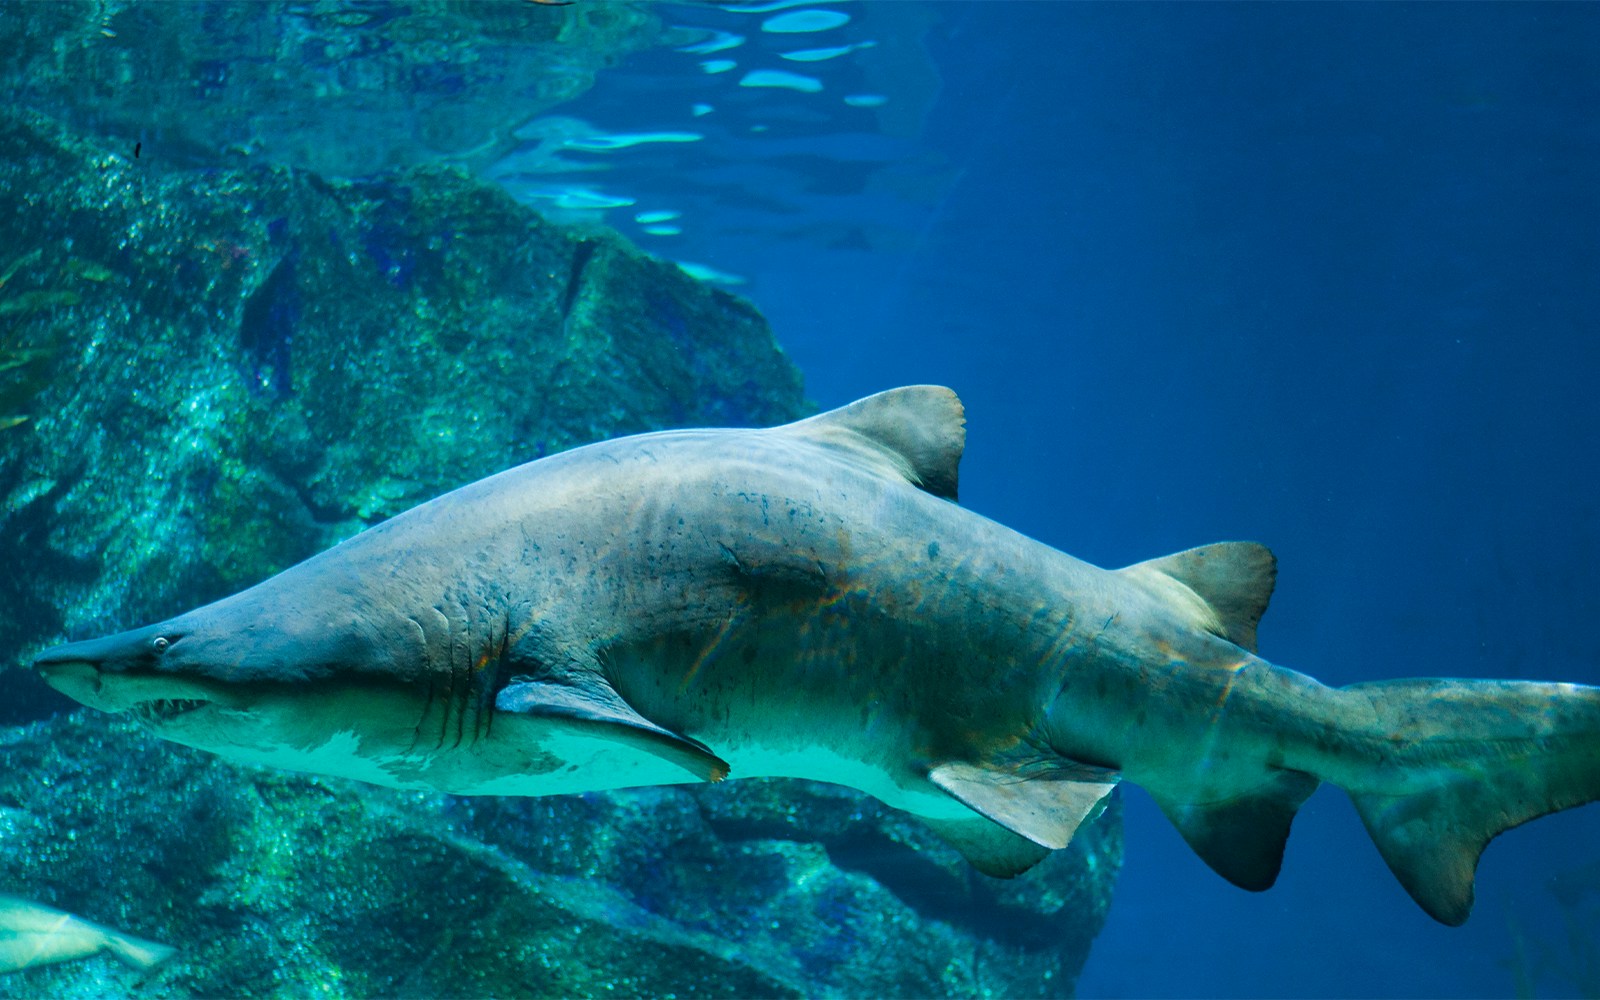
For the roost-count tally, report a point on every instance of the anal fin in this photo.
(1046, 807)
(607, 716)
(1242, 838)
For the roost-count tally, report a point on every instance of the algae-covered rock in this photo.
(344, 89)
(208, 375)
(218, 373)
(274, 884)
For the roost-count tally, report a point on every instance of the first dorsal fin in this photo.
(915, 433)
(1224, 587)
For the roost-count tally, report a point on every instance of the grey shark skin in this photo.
(809, 601)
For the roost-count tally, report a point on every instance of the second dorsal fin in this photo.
(915, 433)
(1225, 587)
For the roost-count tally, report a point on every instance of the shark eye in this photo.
(160, 644)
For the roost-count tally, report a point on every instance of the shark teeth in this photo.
(166, 709)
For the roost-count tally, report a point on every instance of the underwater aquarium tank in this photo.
(1322, 277)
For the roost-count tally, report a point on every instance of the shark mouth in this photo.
(165, 709)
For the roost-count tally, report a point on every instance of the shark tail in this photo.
(1436, 768)
(1444, 766)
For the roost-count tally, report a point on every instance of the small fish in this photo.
(34, 934)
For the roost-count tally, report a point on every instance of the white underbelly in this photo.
(821, 763)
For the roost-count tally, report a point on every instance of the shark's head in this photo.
(426, 652)
(297, 672)
(131, 671)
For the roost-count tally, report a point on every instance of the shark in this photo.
(810, 600)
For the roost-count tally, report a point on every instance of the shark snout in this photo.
(120, 672)
(141, 647)
(75, 678)
(76, 669)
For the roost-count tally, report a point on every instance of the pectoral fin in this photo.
(1047, 808)
(603, 713)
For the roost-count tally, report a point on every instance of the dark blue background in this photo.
(1325, 276)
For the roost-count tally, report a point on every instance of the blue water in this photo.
(1323, 276)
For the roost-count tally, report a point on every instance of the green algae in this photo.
(28, 356)
(206, 425)
(195, 82)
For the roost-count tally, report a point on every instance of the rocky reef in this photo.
(209, 374)
(341, 89)
(274, 884)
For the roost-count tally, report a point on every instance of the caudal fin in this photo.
(1457, 763)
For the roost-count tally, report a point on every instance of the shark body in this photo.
(809, 601)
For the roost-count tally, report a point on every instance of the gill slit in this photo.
(427, 671)
(449, 673)
(466, 676)
(497, 668)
